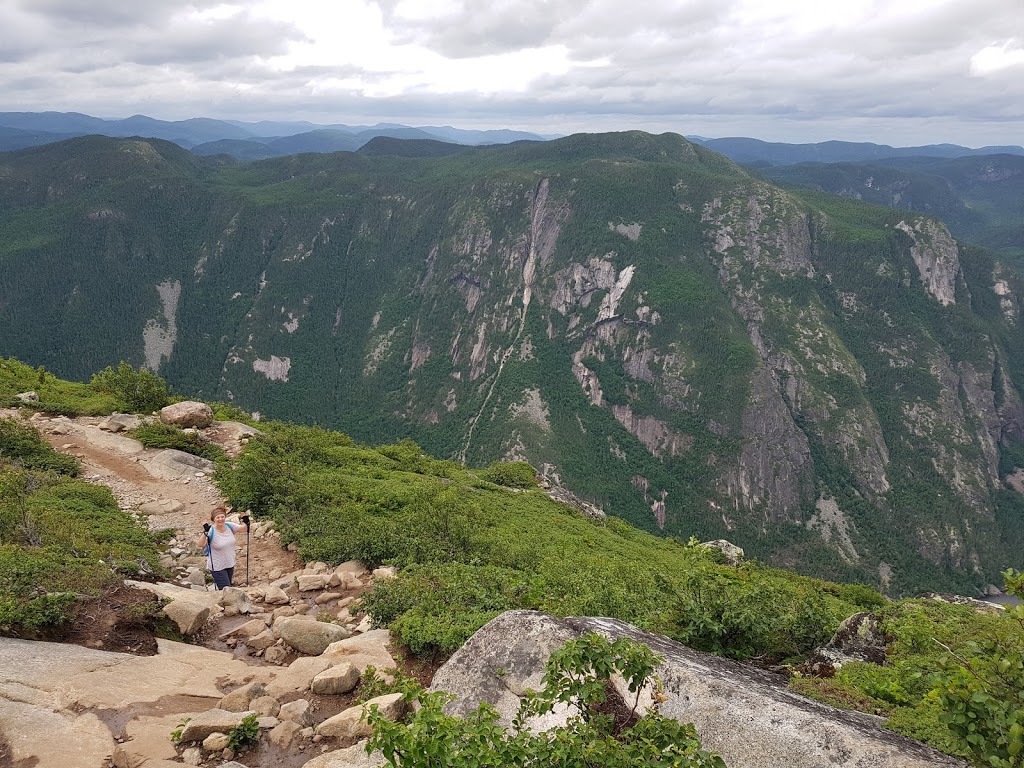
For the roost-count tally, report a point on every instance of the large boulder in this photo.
(311, 637)
(340, 679)
(745, 714)
(187, 414)
(859, 638)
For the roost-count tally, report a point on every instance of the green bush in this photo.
(607, 732)
(22, 444)
(513, 474)
(137, 391)
(156, 434)
(245, 734)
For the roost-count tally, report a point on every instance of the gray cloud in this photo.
(662, 65)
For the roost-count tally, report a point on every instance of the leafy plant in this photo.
(176, 733)
(245, 734)
(602, 729)
(982, 692)
(156, 434)
(514, 474)
(373, 684)
(21, 443)
(138, 391)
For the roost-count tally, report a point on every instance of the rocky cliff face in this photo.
(679, 344)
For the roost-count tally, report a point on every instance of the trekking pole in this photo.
(248, 525)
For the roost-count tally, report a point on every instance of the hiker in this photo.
(218, 543)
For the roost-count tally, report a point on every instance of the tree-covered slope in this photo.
(833, 386)
(980, 199)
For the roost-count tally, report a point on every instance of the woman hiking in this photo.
(218, 544)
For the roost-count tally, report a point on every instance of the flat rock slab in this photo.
(745, 714)
(170, 464)
(50, 691)
(110, 442)
(161, 507)
(367, 650)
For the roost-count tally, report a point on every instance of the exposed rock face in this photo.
(746, 715)
(937, 257)
(733, 555)
(187, 414)
(775, 468)
(859, 638)
(160, 334)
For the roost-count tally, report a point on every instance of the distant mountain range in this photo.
(764, 153)
(243, 141)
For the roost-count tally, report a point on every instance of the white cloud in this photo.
(996, 58)
(741, 66)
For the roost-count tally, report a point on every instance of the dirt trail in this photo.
(113, 461)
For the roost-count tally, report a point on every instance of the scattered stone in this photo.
(262, 641)
(187, 414)
(249, 629)
(310, 637)
(196, 577)
(980, 606)
(311, 581)
(340, 679)
(265, 705)
(171, 464)
(284, 611)
(350, 757)
(28, 397)
(275, 654)
(385, 572)
(364, 626)
(274, 596)
(296, 711)
(362, 651)
(325, 597)
(216, 742)
(353, 567)
(283, 734)
(236, 597)
(211, 721)
(192, 756)
(119, 422)
(351, 724)
(189, 616)
(267, 722)
(238, 699)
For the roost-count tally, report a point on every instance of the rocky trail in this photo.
(291, 646)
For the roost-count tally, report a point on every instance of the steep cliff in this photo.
(831, 385)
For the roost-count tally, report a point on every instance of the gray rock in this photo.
(211, 721)
(350, 757)
(28, 397)
(216, 742)
(266, 706)
(859, 638)
(187, 414)
(309, 582)
(161, 507)
(170, 464)
(733, 554)
(238, 699)
(340, 679)
(311, 637)
(351, 723)
(745, 714)
(274, 595)
(119, 422)
(296, 711)
(283, 733)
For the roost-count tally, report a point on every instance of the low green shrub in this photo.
(20, 443)
(513, 474)
(137, 391)
(607, 732)
(245, 734)
(156, 434)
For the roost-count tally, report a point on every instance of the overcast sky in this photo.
(892, 71)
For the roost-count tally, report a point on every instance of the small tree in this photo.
(602, 731)
(136, 391)
(982, 693)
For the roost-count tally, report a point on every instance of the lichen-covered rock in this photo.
(187, 414)
(733, 554)
(745, 714)
(859, 638)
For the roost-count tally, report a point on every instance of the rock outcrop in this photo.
(187, 414)
(746, 715)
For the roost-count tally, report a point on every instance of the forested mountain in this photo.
(832, 385)
(980, 198)
(761, 153)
